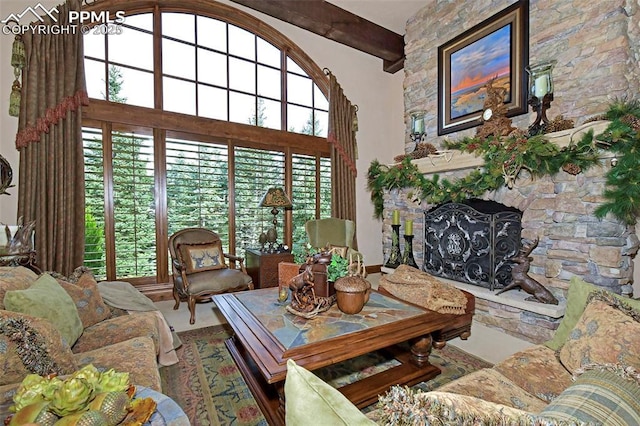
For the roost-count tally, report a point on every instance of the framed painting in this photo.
(496, 49)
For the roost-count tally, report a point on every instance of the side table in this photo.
(263, 266)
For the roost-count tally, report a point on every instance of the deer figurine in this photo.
(521, 279)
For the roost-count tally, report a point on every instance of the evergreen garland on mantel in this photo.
(504, 159)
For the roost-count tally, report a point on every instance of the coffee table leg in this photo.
(281, 407)
(421, 349)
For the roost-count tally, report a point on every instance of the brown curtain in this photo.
(51, 179)
(342, 138)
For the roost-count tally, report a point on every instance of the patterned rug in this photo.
(208, 386)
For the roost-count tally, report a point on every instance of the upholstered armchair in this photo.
(200, 268)
(332, 232)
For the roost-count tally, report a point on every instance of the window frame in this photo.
(108, 116)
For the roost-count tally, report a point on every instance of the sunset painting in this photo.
(474, 65)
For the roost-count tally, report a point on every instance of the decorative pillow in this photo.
(202, 257)
(598, 397)
(15, 278)
(85, 295)
(577, 295)
(608, 332)
(47, 299)
(31, 345)
(402, 406)
(309, 400)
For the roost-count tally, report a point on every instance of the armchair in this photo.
(332, 232)
(200, 269)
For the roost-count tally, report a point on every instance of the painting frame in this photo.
(466, 109)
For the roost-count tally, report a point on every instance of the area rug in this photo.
(209, 387)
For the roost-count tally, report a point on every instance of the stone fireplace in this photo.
(556, 209)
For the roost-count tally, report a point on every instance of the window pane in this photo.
(321, 123)
(212, 67)
(94, 248)
(299, 119)
(304, 202)
(256, 171)
(268, 54)
(242, 43)
(197, 187)
(212, 33)
(179, 25)
(319, 100)
(269, 82)
(134, 205)
(242, 75)
(179, 96)
(178, 59)
(137, 87)
(325, 187)
(120, 50)
(143, 21)
(299, 90)
(242, 108)
(293, 67)
(212, 102)
(94, 76)
(94, 45)
(269, 113)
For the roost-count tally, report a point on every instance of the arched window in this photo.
(197, 109)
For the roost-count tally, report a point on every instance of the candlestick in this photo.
(394, 256)
(408, 227)
(407, 256)
(396, 217)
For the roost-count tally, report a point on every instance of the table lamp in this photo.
(275, 197)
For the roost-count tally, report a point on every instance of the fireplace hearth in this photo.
(472, 242)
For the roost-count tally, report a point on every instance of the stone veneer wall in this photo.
(597, 46)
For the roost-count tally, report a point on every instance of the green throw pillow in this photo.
(598, 397)
(579, 291)
(47, 299)
(309, 400)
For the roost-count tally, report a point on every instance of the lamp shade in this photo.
(275, 197)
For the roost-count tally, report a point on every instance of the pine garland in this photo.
(504, 159)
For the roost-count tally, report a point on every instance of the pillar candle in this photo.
(541, 86)
(396, 217)
(408, 227)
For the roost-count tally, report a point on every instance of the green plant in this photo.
(338, 268)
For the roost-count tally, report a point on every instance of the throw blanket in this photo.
(123, 295)
(418, 287)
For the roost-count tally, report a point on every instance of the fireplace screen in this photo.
(472, 242)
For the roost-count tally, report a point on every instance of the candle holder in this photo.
(407, 255)
(540, 94)
(394, 256)
(417, 134)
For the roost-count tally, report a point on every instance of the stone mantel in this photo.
(456, 160)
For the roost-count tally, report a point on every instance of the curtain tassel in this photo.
(14, 99)
(18, 61)
(18, 57)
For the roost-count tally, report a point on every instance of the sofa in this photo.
(588, 373)
(54, 324)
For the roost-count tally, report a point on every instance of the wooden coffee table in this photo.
(266, 336)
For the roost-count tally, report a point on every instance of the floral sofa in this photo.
(53, 324)
(589, 373)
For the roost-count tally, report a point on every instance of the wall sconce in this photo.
(417, 134)
(540, 94)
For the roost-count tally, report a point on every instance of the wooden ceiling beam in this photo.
(337, 24)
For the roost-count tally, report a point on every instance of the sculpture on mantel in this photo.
(521, 279)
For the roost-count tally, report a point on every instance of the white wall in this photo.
(379, 96)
